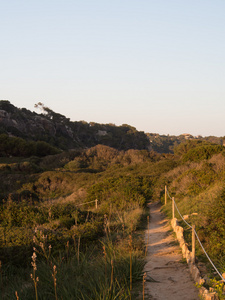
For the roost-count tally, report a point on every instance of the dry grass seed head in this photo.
(17, 297)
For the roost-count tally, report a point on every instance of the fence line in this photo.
(196, 236)
(96, 203)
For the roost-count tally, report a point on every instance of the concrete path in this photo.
(172, 277)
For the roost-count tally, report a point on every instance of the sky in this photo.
(157, 65)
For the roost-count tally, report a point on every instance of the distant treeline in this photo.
(14, 146)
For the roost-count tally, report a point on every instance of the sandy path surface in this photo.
(173, 280)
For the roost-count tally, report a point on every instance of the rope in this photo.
(197, 238)
(86, 203)
(181, 215)
(209, 257)
(178, 210)
(168, 194)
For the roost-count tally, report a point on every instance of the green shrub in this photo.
(122, 191)
(202, 152)
(67, 222)
(215, 230)
(186, 146)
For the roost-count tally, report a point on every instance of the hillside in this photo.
(81, 209)
(62, 133)
(53, 199)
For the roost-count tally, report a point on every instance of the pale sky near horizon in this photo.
(158, 65)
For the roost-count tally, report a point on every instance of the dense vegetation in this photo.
(52, 209)
(197, 184)
(72, 218)
(14, 146)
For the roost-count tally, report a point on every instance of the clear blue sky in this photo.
(158, 65)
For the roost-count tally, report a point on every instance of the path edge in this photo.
(194, 271)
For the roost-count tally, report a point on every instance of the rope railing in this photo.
(175, 205)
(96, 203)
(179, 211)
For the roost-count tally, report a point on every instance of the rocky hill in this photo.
(62, 133)
(58, 131)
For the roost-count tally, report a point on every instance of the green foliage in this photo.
(202, 152)
(163, 143)
(184, 147)
(63, 245)
(122, 191)
(42, 149)
(51, 184)
(55, 203)
(17, 214)
(197, 150)
(215, 231)
(201, 178)
(218, 287)
(93, 275)
(197, 188)
(14, 146)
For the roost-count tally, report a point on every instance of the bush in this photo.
(215, 230)
(122, 190)
(15, 146)
(202, 152)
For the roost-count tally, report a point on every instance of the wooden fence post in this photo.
(96, 203)
(173, 210)
(165, 194)
(193, 243)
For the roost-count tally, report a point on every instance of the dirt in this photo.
(168, 277)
